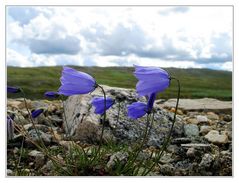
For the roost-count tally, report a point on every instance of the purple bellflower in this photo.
(10, 128)
(99, 104)
(36, 113)
(12, 89)
(139, 109)
(151, 80)
(51, 94)
(74, 82)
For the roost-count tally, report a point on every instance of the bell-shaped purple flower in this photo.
(37, 112)
(98, 103)
(137, 110)
(74, 82)
(51, 94)
(12, 89)
(10, 128)
(151, 80)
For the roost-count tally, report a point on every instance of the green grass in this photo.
(195, 83)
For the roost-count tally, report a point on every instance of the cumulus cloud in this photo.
(120, 36)
(68, 45)
(16, 59)
(22, 15)
(122, 41)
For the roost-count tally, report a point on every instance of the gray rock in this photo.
(47, 138)
(117, 157)
(225, 162)
(205, 129)
(39, 158)
(191, 152)
(212, 116)
(191, 130)
(227, 118)
(214, 137)
(166, 158)
(202, 119)
(182, 140)
(201, 147)
(39, 104)
(167, 169)
(208, 104)
(10, 172)
(88, 128)
(206, 161)
(48, 167)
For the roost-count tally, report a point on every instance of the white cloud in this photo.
(16, 59)
(110, 36)
(227, 66)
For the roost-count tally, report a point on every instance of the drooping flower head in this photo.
(74, 82)
(37, 112)
(99, 104)
(10, 128)
(151, 80)
(137, 110)
(12, 89)
(51, 94)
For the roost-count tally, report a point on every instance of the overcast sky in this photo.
(176, 36)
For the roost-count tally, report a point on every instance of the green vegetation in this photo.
(196, 83)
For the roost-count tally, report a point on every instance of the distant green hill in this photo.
(195, 83)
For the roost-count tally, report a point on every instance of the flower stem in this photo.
(103, 127)
(138, 150)
(31, 119)
(64, 114)
(118, 114)
(167, 140)
(104, 116)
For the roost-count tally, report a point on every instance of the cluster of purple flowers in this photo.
(151, 81)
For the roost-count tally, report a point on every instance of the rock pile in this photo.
(201, 141)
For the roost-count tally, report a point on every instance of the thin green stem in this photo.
(167, 140)
(21, 151)
(118, 114)
(138, 149)
(104, 116)
(103, 127)
(64, 114)
(32, 120)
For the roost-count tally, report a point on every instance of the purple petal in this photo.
(74, 82)
(151, 100)
(10, 128)
(74, 73)
(36, 113)
(51, 94)
(147, 87)
(11, 89)
(148, 75)
(71, 89)
(149, 68)
(98, 103)
(151, 80)
(137, 110)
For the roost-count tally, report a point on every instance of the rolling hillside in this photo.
(195, 83)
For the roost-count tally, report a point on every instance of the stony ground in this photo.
(201, 141)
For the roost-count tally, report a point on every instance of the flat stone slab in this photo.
(197, 146)
(208, 104)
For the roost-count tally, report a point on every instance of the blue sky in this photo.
(173, 36)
